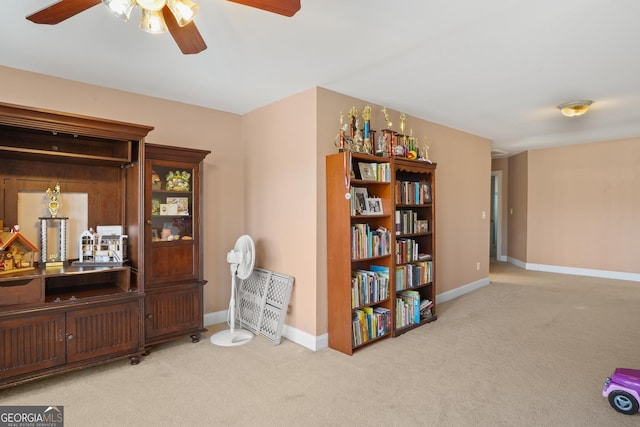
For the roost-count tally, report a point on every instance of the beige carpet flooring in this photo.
(530, 349)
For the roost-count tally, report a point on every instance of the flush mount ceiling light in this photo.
(575, 108)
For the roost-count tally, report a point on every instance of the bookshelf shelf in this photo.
(406, 196)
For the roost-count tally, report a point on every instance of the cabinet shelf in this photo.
(367, 217)
(402, 235)
(413, 205)
(422, 285)
(407, 328)
(71, 294)
(49, 155)
(371, 341)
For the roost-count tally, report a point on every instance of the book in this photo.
(412, 299)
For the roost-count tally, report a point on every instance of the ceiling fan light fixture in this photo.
(152, 22)
(183, 10)
(121, 8)
(152, 5)
(575, 108)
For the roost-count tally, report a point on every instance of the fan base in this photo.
(229, 338)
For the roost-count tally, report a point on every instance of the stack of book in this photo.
(369, 286)
(367, 243)
(369, 323)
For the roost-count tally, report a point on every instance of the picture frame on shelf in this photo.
(374, 206)
(168, 209)
(427, 196)
(181, 203)
(367, 171)
(361, 196)
(155, 206)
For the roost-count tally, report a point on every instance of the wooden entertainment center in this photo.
(55, 319)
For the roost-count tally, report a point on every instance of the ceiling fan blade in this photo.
(60, 11)
(188, 37)
(281, 7)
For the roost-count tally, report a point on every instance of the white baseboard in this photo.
(605, 274)
(517, 262)
(292, 334)
(461, 290)
(305, 339)
(215, 318)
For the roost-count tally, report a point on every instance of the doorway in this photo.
(495, 249)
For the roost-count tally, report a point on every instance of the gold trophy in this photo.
(54, 204)
(366, 116)
(383, 146)
(353, 113)
(339, 140)
(425, 150)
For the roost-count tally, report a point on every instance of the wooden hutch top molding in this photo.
(75, 124)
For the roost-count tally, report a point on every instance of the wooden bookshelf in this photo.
(414, 236)
(351, 217)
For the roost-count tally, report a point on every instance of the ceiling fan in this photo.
(184, 32)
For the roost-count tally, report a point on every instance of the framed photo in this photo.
(426, 192)
(374, 206)
(155, 234)
(182, 204)
(168, 209)
(155, 206)
(367, 171)
(360, 200)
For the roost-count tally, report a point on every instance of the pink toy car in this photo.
(623, 390)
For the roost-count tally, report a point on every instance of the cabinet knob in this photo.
(149, 316)
(70, 337)
(148, 222)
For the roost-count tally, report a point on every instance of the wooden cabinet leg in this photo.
(135, 359)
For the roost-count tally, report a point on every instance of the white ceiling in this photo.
(493, 68)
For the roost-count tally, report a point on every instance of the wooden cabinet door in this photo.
(31, 343)
(102, 331)
(172, 230)
(177, 311)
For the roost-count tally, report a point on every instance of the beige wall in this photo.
(517, 207)
(583, 208)
(265, 177)
(280, 197)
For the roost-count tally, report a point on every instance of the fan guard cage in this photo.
(263, 299)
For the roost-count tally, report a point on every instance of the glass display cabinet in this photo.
(173, 256)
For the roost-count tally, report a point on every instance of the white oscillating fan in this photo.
(241, 261)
